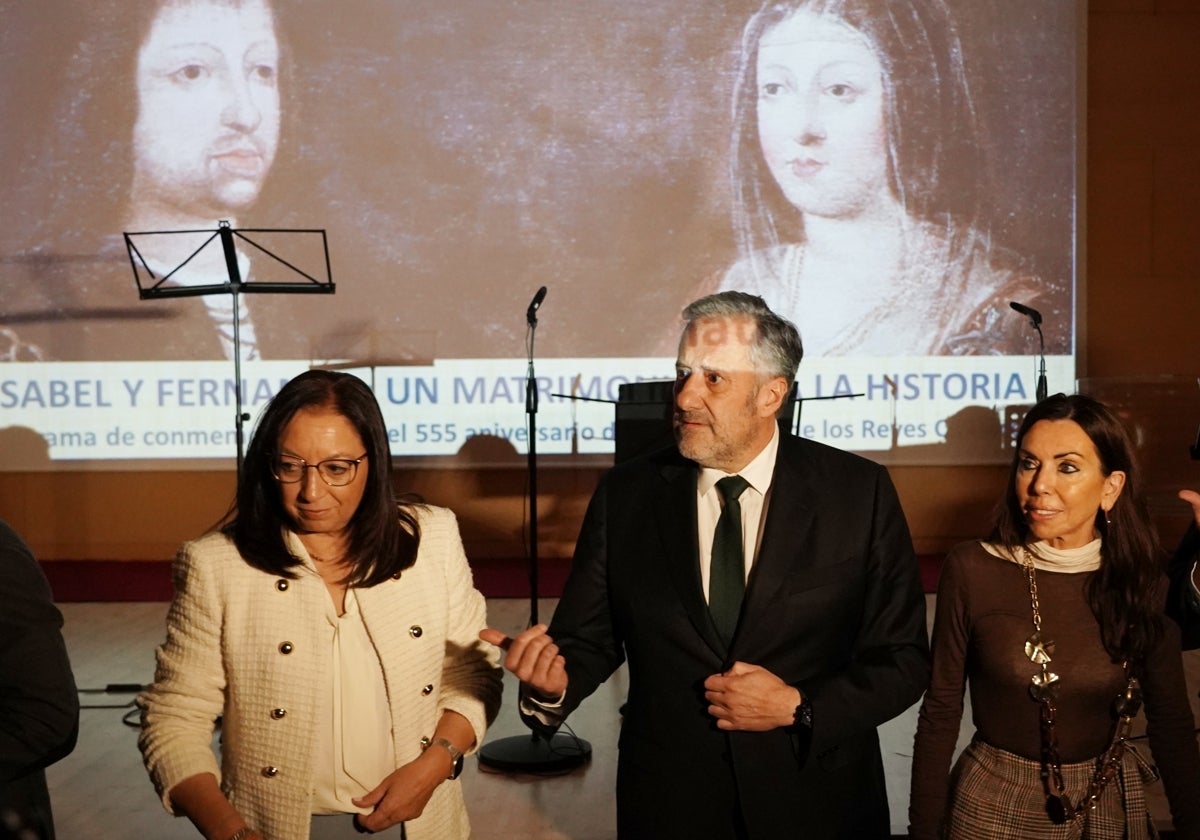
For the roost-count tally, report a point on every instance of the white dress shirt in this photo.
(758, 474)
(753, 501)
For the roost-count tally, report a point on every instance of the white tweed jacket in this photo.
(244, 644)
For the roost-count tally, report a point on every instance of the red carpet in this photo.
(931, 569)
(150, 580)
(109, 580)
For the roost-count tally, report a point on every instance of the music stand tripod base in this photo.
(534, 754)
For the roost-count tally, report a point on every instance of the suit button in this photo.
(286, 647)
(278, 714)
(281, 585)
(415, 631)
(427, 690)
(425, 741)
(270, 772)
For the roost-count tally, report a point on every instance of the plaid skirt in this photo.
(999, 796)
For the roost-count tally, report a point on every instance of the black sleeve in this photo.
(1182, 602)
(582, 625)
(39, 706)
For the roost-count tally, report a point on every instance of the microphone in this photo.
(1035, 320)
(531, 312)
(1028, 311)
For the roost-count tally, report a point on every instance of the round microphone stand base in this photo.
(534, 754)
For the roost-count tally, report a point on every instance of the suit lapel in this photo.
(675, 517)
(789, 519)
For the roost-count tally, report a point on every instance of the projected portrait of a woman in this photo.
(856, 168)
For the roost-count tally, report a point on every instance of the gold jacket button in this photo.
(270, 772)
(286, 647)
(281, 585)
(427, 690)
(415, 631)
(278, 714)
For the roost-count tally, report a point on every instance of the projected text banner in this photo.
(186, 411)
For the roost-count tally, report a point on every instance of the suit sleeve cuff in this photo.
(544, 712)
(802, 720)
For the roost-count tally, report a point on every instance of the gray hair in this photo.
(775, 350)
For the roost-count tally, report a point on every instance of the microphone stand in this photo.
(531, 408)
(1035, 321)
(1042, 389)
(518, 753)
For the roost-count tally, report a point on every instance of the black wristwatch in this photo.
(455, 755)
(802, 717)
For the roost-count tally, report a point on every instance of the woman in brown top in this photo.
(1056, 622)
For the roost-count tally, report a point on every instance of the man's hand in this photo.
(1193, 499)
(750, 698)
(534, 659)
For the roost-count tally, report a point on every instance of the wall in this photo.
(1141, 318)
(1143, 182)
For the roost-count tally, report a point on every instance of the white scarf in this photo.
(1046, 558)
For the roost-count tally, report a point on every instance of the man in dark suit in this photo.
(39, 708)
(760, 723)
(1183, 600)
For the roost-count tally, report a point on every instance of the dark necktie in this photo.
(727, 573)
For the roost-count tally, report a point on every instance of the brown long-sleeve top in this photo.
(982, 620)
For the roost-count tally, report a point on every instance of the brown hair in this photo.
(384, 534)
(1121, 593)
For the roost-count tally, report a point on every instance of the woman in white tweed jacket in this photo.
(321, 614)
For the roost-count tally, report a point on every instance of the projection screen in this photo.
(890, 174)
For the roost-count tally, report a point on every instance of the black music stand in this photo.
(797, 405)
(173, 283)
(644, 411)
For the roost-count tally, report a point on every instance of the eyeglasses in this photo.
(336, 472)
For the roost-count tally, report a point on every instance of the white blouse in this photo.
(353, 752)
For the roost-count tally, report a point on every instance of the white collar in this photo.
(758, 472)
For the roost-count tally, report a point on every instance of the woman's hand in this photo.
(405, 792)
(200, 799)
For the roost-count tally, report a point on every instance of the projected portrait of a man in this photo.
(188, 143)
(205, 136)
(208, 113)
(856, 174)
